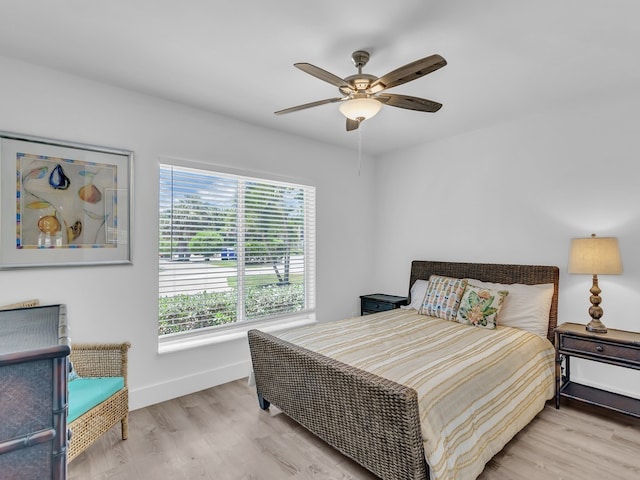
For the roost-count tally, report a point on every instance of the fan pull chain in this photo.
(359, 148)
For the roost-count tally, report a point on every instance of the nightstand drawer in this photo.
(371, 306)
(600, 349)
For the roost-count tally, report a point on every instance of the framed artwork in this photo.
(63, 203)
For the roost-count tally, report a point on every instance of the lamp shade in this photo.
(595, 255)
(358, 108)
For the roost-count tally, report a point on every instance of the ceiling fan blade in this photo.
(352, 124)
(309, 105)
(410, 103)
(323, 75)
(408, 72)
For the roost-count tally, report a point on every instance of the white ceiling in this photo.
(506, 58)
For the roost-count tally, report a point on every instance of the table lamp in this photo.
(595, 255)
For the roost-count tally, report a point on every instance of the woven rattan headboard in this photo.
(494, 272)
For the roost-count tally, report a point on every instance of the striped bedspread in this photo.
(476, 388)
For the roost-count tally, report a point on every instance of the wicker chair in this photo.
(24, 304)
(100, 360)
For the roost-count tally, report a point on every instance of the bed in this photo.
(380, 422)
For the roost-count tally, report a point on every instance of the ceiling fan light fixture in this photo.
(359, 98)
(360, 108)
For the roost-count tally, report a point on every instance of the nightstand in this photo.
(379, 302)
(616, 347)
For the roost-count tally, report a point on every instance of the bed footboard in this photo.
(370, 419)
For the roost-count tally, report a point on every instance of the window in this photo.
(232, 249)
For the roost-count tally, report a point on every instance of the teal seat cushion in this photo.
(85, 393)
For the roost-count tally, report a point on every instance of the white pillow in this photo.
(418, 291)
(526, 307)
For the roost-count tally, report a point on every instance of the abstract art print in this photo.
(63, 203)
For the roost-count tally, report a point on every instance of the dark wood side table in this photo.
(34, 361)
(379, 302)
(616, 347)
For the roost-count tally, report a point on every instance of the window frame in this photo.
(236, 330)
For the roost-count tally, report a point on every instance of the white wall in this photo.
(511, 193)
(517, 193)
(116, 303)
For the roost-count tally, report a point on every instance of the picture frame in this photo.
(63, 203)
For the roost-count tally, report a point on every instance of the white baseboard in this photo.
(611, 378)
(602, 386)
(160, 392)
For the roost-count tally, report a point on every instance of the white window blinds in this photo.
(232, 249)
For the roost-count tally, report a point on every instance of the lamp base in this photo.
(596, 326)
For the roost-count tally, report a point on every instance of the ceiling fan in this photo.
(361, 98)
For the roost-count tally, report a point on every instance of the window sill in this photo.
(232, 334)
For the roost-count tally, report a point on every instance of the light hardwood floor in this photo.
(221, 434)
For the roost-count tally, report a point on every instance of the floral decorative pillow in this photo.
(480, 306)
(443, 297)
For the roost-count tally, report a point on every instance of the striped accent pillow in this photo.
(443, 297)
